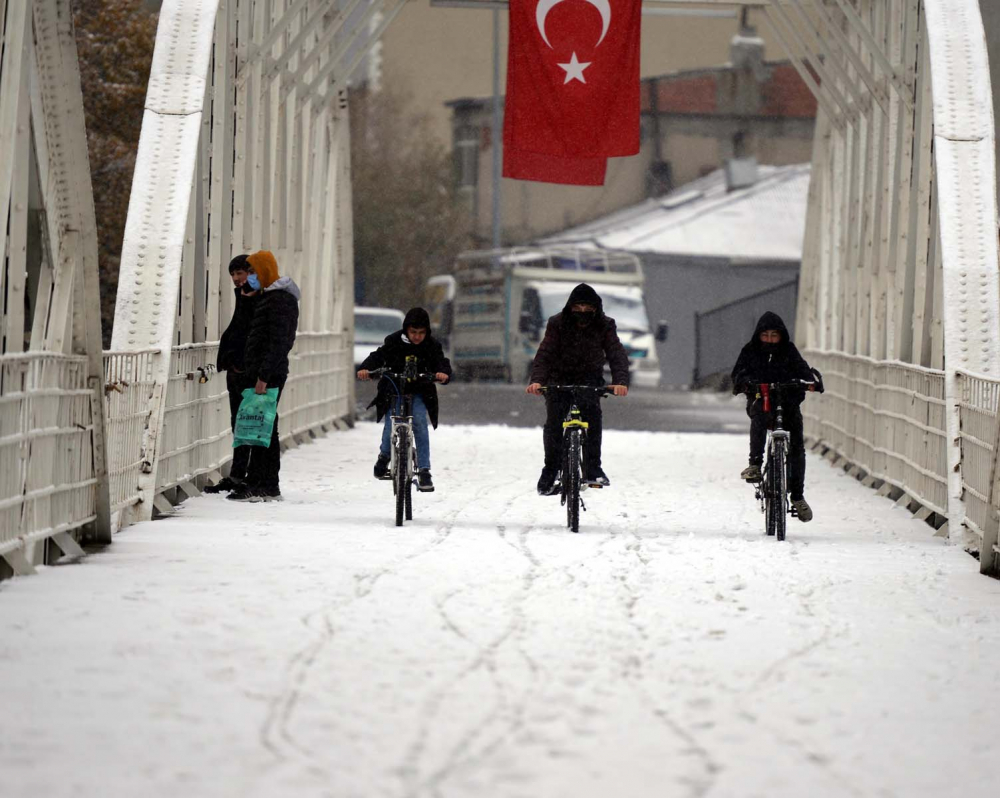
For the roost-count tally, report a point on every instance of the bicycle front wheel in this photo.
(571, 477)
(401, 477)
(778, 491)
(408, 503)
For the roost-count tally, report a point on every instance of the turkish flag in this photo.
(572, 82)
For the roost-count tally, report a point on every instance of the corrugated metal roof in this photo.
(764, 222)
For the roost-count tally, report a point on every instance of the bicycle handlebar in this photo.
(384, 372)
(780, 385)
(603, 390)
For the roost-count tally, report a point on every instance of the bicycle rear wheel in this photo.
(778, 495)
(400, 480)
(571, 477)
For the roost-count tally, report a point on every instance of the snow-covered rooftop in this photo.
(764, 222)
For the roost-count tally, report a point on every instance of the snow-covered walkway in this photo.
(310, 648)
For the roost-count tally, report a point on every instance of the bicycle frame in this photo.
(402, 430)
(573, 458)
(402, 420)
(776, 452)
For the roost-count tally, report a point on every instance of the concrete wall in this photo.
(677, 287)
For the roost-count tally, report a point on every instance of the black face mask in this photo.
(583, 318)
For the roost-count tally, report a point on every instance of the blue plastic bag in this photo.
(255, 418)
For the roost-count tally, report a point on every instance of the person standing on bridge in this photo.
(232, 349)
(770, 356)
(577, 343)
(269, 340)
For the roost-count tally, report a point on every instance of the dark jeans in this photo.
(556, 407)
(265, 463)
(241, 454)
(792, 418)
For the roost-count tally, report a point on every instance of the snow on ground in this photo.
(310, 648)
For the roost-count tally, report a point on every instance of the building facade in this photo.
(692, 123)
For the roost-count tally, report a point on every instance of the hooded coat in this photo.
(571, 354)
(233, 344)
(392, 355)
(781, 362)
(275, 320)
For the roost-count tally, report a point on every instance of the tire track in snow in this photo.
(637, 678)
(275, 734)
(486, 656)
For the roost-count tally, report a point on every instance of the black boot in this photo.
(224, 485)
(597, 477)
(382, 467)
(547, 482)
(424, 482)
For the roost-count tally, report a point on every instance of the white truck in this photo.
(503, 299)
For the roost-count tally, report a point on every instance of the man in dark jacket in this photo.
(231, 351)
(414, 340)
(769, 357)
(270, 339)
(576, 345)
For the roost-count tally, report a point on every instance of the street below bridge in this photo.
(311, 648)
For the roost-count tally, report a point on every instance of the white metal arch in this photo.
(53, 475)
(899, 292)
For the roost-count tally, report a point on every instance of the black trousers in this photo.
(241, 454)
(265, 463)
(792, 418)
(556, 407)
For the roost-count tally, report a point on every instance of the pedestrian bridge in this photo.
(245, 146)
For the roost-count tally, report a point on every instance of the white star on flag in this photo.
(574, 70)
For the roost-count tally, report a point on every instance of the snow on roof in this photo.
(764, 222)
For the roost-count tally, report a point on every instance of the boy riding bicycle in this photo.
(771, 357)
(576, 345)
(414, 340)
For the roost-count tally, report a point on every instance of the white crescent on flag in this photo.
(545, 6)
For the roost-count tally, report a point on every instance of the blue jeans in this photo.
(419, 431)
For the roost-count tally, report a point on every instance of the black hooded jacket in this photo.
(272, 332)
(392, 355)
(232, 345)
(571, 354)
(780, 362)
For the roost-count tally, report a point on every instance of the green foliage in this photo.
(115, 41)
(409, 223)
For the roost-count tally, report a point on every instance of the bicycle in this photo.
(403, 452)
(772, 489)
(575, 429)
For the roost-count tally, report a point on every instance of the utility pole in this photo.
(495, 133)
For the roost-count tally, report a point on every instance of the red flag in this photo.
(572, 80)
(524, 165)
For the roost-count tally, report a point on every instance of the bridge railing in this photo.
(47, 477)
(886, 417)
(319, 383)
(196, 436)
(980, 440)
(128, 393)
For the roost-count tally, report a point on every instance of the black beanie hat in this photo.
(239, 262)
(417, 317)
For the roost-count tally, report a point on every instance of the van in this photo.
(503, 299)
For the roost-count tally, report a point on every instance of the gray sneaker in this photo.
(751, 473)
(802, 510)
